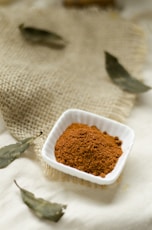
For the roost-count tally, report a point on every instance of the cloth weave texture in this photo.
(38, 83)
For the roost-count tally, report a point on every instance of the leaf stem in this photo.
(17, 184)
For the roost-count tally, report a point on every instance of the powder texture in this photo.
(88, 149)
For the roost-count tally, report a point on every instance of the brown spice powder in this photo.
(88, 149)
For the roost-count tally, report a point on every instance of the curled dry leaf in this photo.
(122, 78)
(11, 152)
(42, 208)
(42, 37)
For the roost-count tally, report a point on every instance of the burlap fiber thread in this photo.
(38, 83)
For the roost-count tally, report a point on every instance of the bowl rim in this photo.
(110, 177)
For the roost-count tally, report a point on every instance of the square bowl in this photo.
(112, 127)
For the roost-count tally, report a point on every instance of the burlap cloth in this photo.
(38, 83)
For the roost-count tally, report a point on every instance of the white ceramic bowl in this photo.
(125, 134)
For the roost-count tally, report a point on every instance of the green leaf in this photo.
(122, 78)
(43, 37)
(11, 152)
(42, 208)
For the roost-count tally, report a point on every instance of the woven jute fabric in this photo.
(38, 83)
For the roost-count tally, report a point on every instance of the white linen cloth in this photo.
(130, 203)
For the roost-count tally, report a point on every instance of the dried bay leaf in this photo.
(121, 77)
(43, 37)
(42, 208)
(13, 151)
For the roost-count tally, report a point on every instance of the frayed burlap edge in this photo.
(125, 105)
